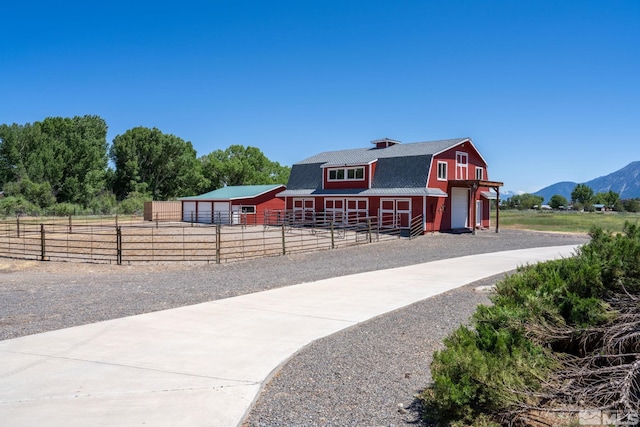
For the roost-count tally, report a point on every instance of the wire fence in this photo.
(126, 240)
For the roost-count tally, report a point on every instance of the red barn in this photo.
(445, 182)
(242, 204)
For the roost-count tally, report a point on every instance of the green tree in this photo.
(610, 199)
(582, 194)
(39, 194)
(631, 205)
(70, 154)
(148, 161)
(239, 165)
(524, 201)
(10, 149)
(557, 200)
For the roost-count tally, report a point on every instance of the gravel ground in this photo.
(359, 376)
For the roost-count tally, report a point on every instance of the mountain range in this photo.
(625, 182)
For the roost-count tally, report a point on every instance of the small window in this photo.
(353, 174)
(462, 163)
(442, 171)
(479, 174)
(248, 209)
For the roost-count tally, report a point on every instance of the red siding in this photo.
(264, 202)
(442, 216)
(436, 210)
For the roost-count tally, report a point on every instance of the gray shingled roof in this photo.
(422, 191)
(400, 169)
(360, 156)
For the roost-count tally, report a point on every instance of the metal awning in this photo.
(489, 195)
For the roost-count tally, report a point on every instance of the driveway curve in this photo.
(204, 364)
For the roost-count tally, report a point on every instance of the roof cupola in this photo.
(384, 142)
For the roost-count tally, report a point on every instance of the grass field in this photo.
(573, 222)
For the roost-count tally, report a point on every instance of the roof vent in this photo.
(384, 142)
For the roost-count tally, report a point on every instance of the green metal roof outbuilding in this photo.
(234, 192)
(239, 204)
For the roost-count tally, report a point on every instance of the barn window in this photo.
(248, 209)
(346, 174)
(479, 173)
(442, 171)
(462, 162)
(336, 174)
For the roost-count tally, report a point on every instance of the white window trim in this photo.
(346, 174)
(479, 171)
(357, 211)
(301, 212)
(446, 171)
(460, 167)
(395, 211)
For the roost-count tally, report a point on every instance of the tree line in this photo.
(65, 165)
(582, 198)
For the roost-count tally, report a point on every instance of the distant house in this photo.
(243, 204)
(442, 183)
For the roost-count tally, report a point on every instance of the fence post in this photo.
(18, 225)
(192, 218)
(156, 220)
(116, 220)
(369, 228)
(333, 242)
(42, 243)
(118, 245)
(70, 225)
(284, 247)
(218, 243)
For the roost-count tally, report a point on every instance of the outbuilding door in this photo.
(189, 212)
(204, 212)
(459, 207)
(221, 212)
(479, 213)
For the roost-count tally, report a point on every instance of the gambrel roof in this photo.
(361, 156)
(401, 169)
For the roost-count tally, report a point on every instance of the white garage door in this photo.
(189, 211)
(459, 207)
(222, 212)
(204, 212)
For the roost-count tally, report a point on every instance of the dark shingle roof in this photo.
(305, 175)
(402, 172)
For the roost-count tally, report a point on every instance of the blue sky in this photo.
(548, 90)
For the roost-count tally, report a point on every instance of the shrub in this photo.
(17, 205)
(104, 204)
(65, 209)
(499, 363)
(133, 204)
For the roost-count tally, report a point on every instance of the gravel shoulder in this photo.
(358, 376)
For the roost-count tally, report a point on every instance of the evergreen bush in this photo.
(541, 315)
